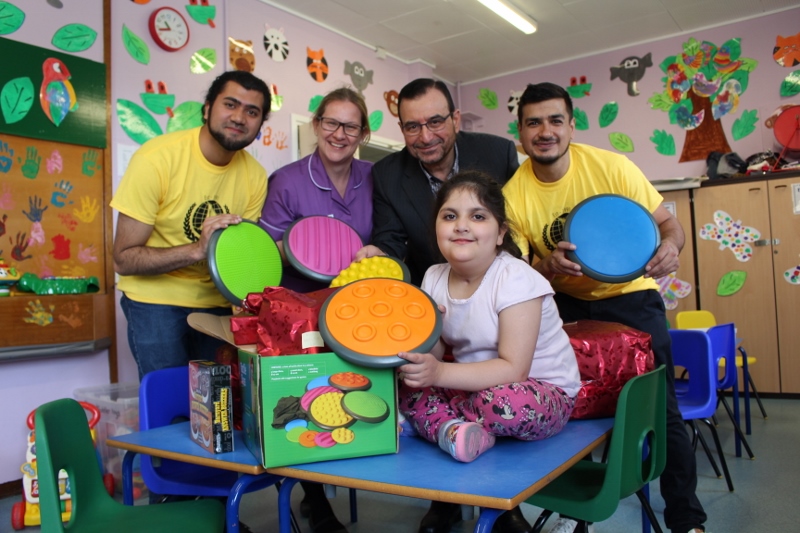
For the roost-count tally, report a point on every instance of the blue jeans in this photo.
(160, 337)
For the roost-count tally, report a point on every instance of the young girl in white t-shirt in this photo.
(515, 373)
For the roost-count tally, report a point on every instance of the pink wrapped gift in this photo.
(609, 354)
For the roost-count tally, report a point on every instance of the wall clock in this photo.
(169, 29)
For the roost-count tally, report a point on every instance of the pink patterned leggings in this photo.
(530, 410)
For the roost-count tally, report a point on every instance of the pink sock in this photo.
(465, 441)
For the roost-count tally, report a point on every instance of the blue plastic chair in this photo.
(723, 346)
(164, 399)
(692, 350)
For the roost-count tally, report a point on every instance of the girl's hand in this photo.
(422, 370)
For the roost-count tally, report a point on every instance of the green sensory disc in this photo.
(242, 259)
(365, 406)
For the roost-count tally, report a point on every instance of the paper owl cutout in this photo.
(631, 70)
(241, 55)
(391, 98)
(513, 102)
(316, 64)
(275, 43)
(359, 75)
(731, 234)
(56, 95)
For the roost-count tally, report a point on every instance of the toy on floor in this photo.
(27, 512)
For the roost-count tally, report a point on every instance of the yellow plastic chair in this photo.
(705, 319)
(63, 441)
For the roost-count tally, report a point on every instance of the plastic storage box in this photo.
(119, 415)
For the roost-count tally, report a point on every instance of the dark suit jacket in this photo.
(402, 219)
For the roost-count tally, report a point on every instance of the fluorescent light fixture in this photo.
(514, 16)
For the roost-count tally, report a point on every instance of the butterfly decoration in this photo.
(671, 289)
(731, 234)
(792, 275)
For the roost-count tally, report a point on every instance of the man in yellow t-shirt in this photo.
(557, 177)
(178, 189)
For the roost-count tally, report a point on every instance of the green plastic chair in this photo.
(63, 441)
(589, 491)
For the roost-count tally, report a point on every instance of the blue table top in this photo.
(501, 478)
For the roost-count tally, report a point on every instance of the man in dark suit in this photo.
(404, 186)
(406, 182)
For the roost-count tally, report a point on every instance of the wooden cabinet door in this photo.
(785, 216)
(752, 308)
(680, 202)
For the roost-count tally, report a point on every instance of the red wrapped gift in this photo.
(244, 329)
(609, 354)
(288, 321)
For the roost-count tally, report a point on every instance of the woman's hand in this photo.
(422, 370)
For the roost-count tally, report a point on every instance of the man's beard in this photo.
(229, 144)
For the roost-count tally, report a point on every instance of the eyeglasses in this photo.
(330, 124)
(434, 124)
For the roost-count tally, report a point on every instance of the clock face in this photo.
(169, 29)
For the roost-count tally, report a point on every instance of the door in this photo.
(752, 307)
(784, 204)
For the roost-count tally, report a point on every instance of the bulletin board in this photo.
(73, 91)
(52, 223)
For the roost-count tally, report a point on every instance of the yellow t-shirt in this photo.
(538, 210)
(171, 186)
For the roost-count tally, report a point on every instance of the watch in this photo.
(169, 29)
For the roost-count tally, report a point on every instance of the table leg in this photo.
(285, 504)
(486, 519)
(127, 478)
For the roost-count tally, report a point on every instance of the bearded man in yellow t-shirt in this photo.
(556, 178)
(178, 189)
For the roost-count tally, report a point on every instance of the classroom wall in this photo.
(26, 384)
(636, 118)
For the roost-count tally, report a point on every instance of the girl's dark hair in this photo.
(489, 194)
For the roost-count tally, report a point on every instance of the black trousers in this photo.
(644, 310)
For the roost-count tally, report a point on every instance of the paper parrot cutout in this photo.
(56, 95)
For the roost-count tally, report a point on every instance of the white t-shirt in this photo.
(471, 326)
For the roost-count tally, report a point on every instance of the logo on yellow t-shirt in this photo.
(193, 223)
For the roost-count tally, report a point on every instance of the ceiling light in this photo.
(514, 16)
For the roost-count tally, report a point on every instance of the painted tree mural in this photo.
(702, 85)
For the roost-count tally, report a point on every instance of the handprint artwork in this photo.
(91, 163)
(88, 210)
(59, 196)
(34, 214)
(55, 163)
(38, 314)
(731, 234)
(30, 168)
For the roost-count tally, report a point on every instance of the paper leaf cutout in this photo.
(187, 115)
(731, 234)
(621, 142)
(581, 119)
(313, 104)
(608, 114)
(671, 289)
(74, 38)
(16, 99)
(665, 142)
(660, 102)
(11, 18)
(731, 283)
(203, 60)
(513, 129)
(137, 122)
(667, 62)
(744, 125)
(791, 84)
(375, 120)
(488, 98)
(734, 48)
(135, 46)
(792, 275)
(742, 76)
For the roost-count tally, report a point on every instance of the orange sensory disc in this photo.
(308, 439)
(368, 322)
(350, 381)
